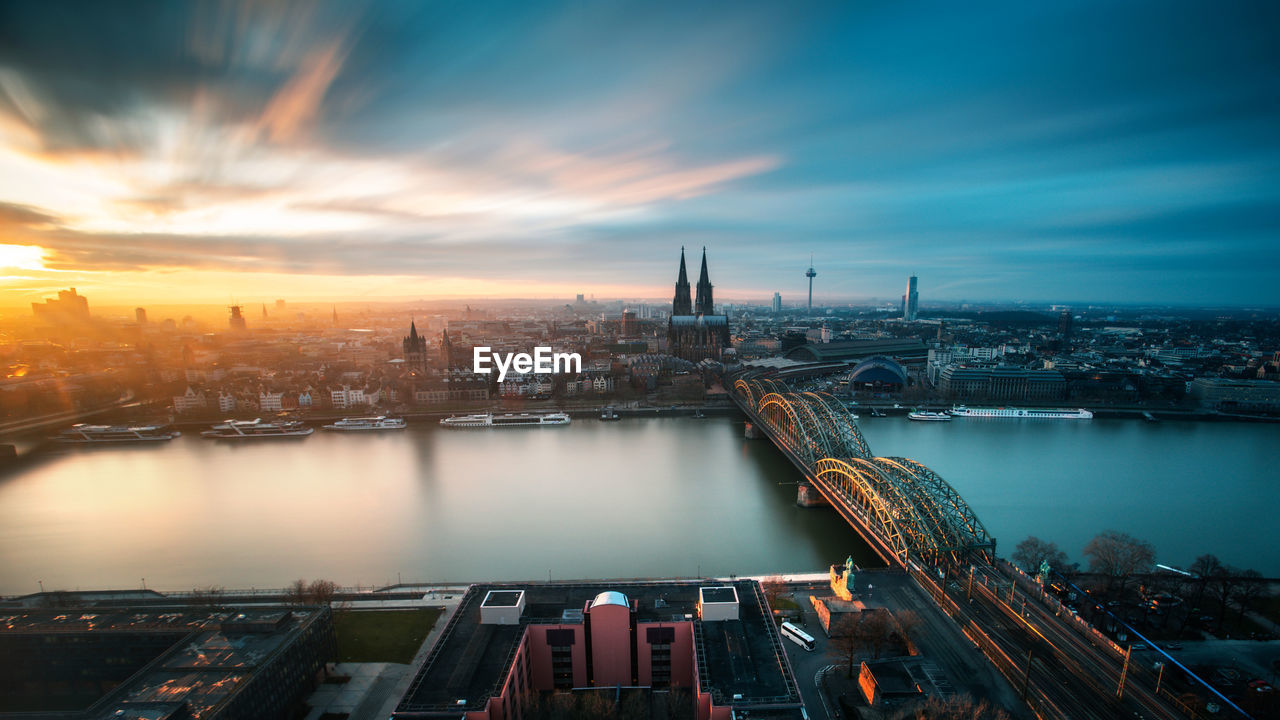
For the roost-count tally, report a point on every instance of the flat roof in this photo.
(204, 665)
(718, 595)
(470, 661)
(503, 598)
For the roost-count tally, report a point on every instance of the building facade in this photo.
(695, 332)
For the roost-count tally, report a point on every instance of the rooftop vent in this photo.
(718, 603)
(502, 607)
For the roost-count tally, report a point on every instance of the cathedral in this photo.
(415, 351)
(695, 332)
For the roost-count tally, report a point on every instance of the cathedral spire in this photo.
(682, 305)
(704, 304)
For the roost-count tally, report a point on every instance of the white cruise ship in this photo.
(367, 424)
(926, 416)
(506, 420)
(84, 434)
(252, 429)
(1034, 413)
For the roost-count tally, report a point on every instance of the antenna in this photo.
(811, 274)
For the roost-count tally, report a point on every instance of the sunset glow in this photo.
(441, 151)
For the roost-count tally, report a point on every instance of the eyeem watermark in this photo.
(542, 362)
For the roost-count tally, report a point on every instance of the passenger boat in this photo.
(925, 415)
(253, 429)
(1009, 412)
(506, 420)
(367, 424)
(84, 434)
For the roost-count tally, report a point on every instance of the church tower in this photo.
(415, 350)
(682, 305)
(704, 304)
(446, 350)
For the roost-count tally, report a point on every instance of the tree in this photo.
(908, 625)
(317, 592)
(321, 592)
(1224, 581)
(209, 596)
(1119, 555)
(1252, 587)
(955, 707)
(296, 593)
(1202, 568)
(856, 633)
(1033, 551)
(774, 587)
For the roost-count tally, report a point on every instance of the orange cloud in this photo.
(296, 104)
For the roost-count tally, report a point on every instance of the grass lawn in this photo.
(382, 635)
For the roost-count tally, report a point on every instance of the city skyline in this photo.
(398, 151)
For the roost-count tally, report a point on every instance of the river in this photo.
(638, 497)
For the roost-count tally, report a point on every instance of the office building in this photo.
(911, 300)
(777, 302)
(173, 663)
(511, 647)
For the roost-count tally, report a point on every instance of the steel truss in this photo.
(918, 513)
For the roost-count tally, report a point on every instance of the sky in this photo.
(1002, 151)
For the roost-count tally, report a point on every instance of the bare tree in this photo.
(1033, 551)
(1252, 587)
(1202, 568)
(1223, 583)
(296, 593)
(209, 596)
(955, 707)
(1119, 555)
(774, 587)
(847, 642)
(856, 633)
(909, 624)
(321, 592)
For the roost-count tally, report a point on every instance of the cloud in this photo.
(294, 107)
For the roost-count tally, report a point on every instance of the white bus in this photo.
(797, 636)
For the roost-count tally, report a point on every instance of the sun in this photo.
(22, 257)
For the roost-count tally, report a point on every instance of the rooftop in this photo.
(719, 595)
(202, 657)
(848, 350)
(502, 598)
(470, 661)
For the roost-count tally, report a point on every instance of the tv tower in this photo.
(811, 274)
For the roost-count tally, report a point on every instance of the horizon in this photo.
(397, 152)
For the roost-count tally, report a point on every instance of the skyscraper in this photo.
(777, 302)
(910, 301)
(1065, 322)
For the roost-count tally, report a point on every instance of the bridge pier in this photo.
(809, 496)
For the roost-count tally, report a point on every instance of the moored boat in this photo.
(927, 416)
(367, 424)
(253, 429)
(1032, 413)
(506, 420)
(85, 434)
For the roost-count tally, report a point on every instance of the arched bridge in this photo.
(913, 513)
